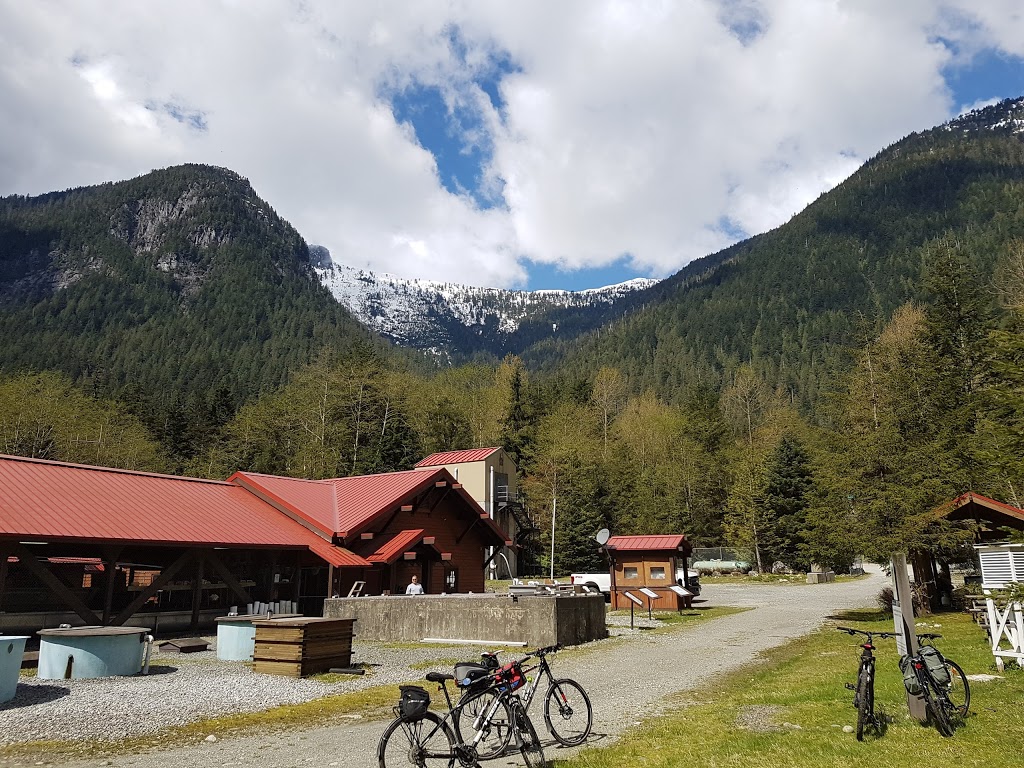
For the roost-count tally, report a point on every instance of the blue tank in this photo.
(12, 650)
(84, 652)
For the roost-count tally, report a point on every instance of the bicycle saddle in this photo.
(439, 677)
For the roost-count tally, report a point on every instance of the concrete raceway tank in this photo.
(12, 650)
(83, 652)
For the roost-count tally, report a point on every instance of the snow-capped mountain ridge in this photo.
(427, 313)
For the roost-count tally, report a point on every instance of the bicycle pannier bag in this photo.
(909, 676)
(936, 664)
(468, 673)
(413, 702)
(512, 675)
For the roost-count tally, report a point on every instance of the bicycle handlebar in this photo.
(928, 636)
(867, 634)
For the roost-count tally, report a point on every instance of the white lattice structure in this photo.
(1001, 565)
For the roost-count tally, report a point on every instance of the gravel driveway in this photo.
(627, 680)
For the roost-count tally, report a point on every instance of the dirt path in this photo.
(627, 680)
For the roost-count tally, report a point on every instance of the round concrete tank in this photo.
(12, 650)
(236, 635)
(81, 652)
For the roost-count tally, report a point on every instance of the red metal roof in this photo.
(53, 500)
(455, 457)
(648, 543)
(345, 505)
(340, 505)
(393, 549)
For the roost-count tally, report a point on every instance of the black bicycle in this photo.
(568, 713)
(421, 738)
(864, 689)
(940, 681)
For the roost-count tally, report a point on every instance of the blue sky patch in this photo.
(990, 75)
(552, 277)
(192, 118)
(450, 122)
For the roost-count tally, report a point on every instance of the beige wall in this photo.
(476, 477)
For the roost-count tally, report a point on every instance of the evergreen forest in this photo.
(810, 395)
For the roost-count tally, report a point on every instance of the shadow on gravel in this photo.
(30, 695)
(160, 669)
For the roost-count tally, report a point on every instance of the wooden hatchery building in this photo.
(99, 546)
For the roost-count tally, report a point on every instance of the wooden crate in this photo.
(297, 647)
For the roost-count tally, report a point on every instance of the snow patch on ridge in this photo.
(400, 308)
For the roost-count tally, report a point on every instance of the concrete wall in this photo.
(534, 620)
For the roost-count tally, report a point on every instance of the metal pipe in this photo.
(148, 639)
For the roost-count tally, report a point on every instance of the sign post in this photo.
(903, 626)
(634, 601)
(651, 597)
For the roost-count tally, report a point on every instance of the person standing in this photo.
(414, 588)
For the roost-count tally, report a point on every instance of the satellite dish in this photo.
(602, 536)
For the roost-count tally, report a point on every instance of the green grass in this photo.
(800, 687)
(674, 619)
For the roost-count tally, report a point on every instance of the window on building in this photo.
(658, 572)
(630, 572)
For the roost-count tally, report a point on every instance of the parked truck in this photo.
(603, 581)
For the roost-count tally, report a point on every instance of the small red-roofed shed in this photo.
(648, 562)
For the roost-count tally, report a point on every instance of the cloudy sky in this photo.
(511, 144)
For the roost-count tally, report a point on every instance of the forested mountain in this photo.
(456, 323)
(793, 302)
(811, 394)
(180, 292)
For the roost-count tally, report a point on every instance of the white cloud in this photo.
(653, 129)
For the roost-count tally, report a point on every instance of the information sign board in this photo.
(680, 591)
(634, 598)
(649, 592)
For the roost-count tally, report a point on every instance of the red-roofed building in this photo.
(192, 545)
(421, 522)
(491, 478)
(648, 562)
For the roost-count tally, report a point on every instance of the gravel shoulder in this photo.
(628, 679)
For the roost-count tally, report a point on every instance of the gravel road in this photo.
(627, 680)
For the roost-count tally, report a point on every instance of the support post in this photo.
(197, 591)
(110, 555)
(903, 625)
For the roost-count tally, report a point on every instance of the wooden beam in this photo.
(58, 587)
(3, 574)
(157, 584)
(197, 591)
(366, 536)
(406, 507)
(227, 576)
(110, 555)
(409, 556)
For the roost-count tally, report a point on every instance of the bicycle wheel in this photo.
(937, 707)
(865, 703)
(567, 712)
(958, 691)
(497, 733)
(427, 743)
(526, 735)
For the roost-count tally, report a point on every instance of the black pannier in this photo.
(469, 675)
(413, 703)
